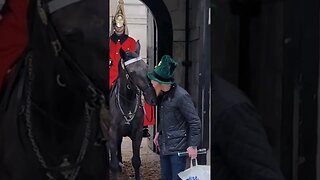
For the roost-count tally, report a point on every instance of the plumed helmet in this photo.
(119, 20)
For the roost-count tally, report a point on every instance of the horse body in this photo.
(49, 121)
(126, 109)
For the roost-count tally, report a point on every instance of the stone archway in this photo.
(163, 21)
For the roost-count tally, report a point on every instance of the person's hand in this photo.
(192, 152)
(156, 140)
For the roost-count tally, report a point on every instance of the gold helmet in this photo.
(119, 19)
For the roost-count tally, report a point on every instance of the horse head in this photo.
(84, 36)
(136, 68)
(61, 85)
(71, 36)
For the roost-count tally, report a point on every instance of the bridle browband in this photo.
(59, 4)
(133, 60)
(124, 65)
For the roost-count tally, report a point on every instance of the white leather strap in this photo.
(132, 61)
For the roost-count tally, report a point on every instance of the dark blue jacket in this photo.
(179, 125)
(240, 147)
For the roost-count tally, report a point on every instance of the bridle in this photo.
(131, 61)
(129, 116)
(96, 97)
(44, 12)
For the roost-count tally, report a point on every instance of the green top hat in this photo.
(163, 73)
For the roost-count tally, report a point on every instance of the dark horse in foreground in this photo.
(50, 110)
(126, 108)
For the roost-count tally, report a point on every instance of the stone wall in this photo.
(178, 14)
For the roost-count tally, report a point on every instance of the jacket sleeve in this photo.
(188, 111)
(243, 144)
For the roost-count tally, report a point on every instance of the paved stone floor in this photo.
(150, 165)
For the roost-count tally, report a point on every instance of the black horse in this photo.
(50, 110)
(126, 108)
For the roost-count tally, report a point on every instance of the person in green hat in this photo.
(179, 123)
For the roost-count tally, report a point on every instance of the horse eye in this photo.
(72, 35)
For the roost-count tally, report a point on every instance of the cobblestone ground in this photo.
(150, 165)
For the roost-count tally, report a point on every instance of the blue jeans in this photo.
(171, 165)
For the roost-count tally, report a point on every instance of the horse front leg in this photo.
(114, 165)
(136, 160)
(119, 153)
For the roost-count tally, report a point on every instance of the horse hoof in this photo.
(146, 133)
(121, 164)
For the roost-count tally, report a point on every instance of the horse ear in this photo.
(123, 54)
(138, 47)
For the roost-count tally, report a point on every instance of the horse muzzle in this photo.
(150, 96)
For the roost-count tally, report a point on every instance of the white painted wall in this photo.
(136, 14)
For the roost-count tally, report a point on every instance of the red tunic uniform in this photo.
(148, 119)
(115, 43)
(13, 35)
(127, 44)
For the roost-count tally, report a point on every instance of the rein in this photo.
(130, 115)
(96, 98)
(69, 171)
